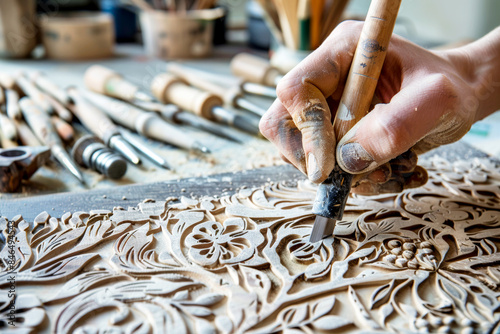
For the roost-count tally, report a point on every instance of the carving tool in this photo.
(8, 82)
(60, 110)
(105, 81)
(100, 125)
(89, 151)
(26, 136)
(174, 114)
(148, 124)
(20, 163)
(43, 83)
(41, 125)
(168, 88)
(156, 158)
(64, 130)
(230, 96)
(358, 93)
(34, 93)
(255, 69)
(12, 104)
(2, 96)
(8, 128)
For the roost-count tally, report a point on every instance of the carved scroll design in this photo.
(423, 260)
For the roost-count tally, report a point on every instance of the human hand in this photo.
(425, 102)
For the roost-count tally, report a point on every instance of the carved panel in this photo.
(425, 260)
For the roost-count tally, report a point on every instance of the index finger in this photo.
(303, 92)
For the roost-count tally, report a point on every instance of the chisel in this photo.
(366, 66)
(168, 88)
(103, 80)
(176, 115)
(43, 83)
(229, 95)
(99, 124)
(255, 69)
(40, 123)
(148, 124)
(34, 93)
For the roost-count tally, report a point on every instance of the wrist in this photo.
(479, 65)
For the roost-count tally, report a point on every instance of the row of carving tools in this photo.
(44, 115)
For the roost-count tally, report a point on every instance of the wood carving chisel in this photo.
(146, 123)
(103, 80)
(230, 95)
(168, 88)
(50, 88)
(141, 147)
(174, 114)
(255, 69)
(40, 123)
(12, 104)
(34, 93)
(99, 124)
(366, 66)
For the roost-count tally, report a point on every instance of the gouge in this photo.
(255, 69)
(12, 104)
(43, 83)
(230, 95)
(103, 80)
(146, 123)
(34, 93)
(99, 124)
(168, 88)
(176, 115)
(366, 66)
(41, 125)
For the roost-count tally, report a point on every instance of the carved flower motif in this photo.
(212, 243)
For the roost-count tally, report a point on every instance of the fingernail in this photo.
(313, 172)
(355, 158)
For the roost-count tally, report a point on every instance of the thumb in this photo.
(392, 129)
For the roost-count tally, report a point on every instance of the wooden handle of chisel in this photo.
(105, 81)
(39, 122)
(200, 80)
(168, 88)
(366, 65)
(255, 69)
(91, 117)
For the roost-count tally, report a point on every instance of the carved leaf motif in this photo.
(381, 294)
(115, 296)
(208, 299)
(64, 268)
(257, 281)
(323, 307)
(330, 323)
(85, 281)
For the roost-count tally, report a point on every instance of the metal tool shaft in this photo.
(99, 124)
(41, 125)
(148, 124)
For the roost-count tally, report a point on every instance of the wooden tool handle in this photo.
(119, 111)
(91, 117)
(255, 69)
(105, 81)
(39, 122)
(196, 80)
(170, 89)
(366, 65)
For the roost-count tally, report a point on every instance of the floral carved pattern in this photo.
(425, 260)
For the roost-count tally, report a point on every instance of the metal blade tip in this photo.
(322, 228)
